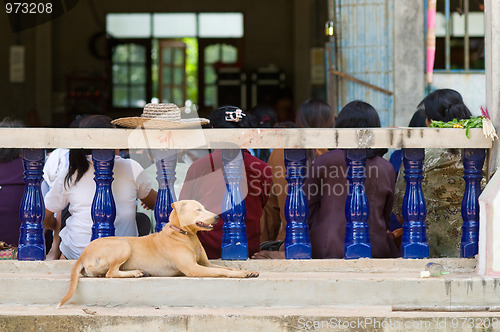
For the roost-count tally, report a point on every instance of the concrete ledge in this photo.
(41, 318)
(276, 265)
(394, 282)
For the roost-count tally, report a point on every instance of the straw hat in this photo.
(160, 116)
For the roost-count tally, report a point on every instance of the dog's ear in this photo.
(177, 206)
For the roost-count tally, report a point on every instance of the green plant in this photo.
(467, 124)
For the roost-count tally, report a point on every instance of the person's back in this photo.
(312, 113)
(76, 187)
(326, 188)
(205, 183)
(11, 189)
(443, 185)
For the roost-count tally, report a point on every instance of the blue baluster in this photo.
(166, 160)
(297, 242)
(103, 206)
(414, 242)
(32, 209)
(234, 238)
(473, 160)
(357, 236)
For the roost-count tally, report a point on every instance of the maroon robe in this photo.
(11, 194)
(326, 188)
(205, 183)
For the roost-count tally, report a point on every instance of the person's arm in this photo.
(50, 221)
(270, 220)
(311, 189)
(389, 202)
(150, 199)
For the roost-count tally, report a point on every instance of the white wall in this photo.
(472, 87)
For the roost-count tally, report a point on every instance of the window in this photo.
(228, 25)
(459, 35)
(131, 67)
(170, 56)
(128, 25)
(215, 55)
(172, 82)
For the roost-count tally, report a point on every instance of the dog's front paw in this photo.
(251, 274)
(138, 274)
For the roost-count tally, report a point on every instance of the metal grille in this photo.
(365, 52)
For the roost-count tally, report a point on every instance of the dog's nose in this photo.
(216, 218)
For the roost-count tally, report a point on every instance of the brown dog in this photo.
(174, 251)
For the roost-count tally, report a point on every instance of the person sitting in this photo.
(205, 183)
(265, 117)
(76, 186)
(56, 162)
(326, 189)
(313, 113)
(443, 185)
(11, 188)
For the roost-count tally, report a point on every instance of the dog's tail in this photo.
(75, 276)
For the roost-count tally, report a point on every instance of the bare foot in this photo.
(53, 255)
(266, 254)
(54, 252)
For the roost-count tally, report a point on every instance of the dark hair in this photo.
(76, 122)
(286, 124)
(7, 154)
(265, 116)
(418, 118)
(445, 105)
(218, 118)
(78, 161)
(315, 113)
(358, 114)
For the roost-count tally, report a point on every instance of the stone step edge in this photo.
(45, 318)
(314, 265)
(217, 292)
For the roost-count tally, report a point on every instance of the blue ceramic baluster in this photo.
(166, 160)
(414, 243)
(103, 210)
(32, 209)
(473, 160)
(357, 236)
(297, 242)
(234, 238)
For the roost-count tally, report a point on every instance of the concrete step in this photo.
(282, 283)
(319, 295)
(173, 319)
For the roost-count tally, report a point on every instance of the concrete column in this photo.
(492, 59)
(489, 234)
(409, 59)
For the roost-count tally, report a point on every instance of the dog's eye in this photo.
(199, 210)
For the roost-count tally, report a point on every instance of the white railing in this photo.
(244, 138)
(357, 139)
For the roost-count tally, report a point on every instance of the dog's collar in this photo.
(175, 228)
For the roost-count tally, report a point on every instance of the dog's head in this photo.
(192, 216)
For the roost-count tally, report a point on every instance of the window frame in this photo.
(202, 42)
(447, 40)
(112, 43)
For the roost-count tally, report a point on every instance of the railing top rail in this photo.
(308, 138)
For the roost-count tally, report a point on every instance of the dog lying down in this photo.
(175, 251)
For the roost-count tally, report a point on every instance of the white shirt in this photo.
(130, 183)
(57, 162)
